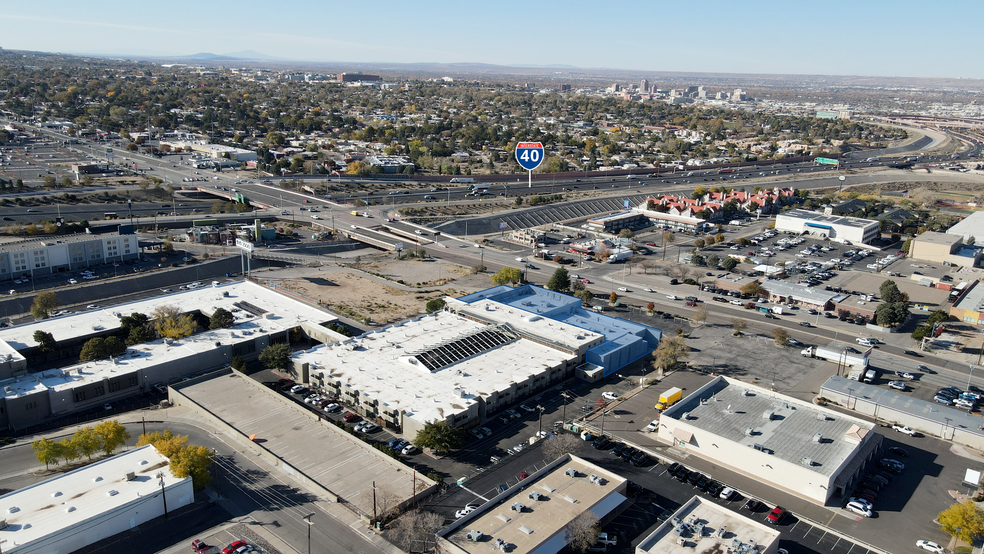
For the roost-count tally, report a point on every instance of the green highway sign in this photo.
(827, 161)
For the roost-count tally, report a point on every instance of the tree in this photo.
(560, 281)
(781, 336)
(626, 233)
(700, 243)
(558, 445)
(93, 349)
(238, 363)
(666, 239)
(585, 296)
(890, 292)
(416, 527)
(964, 520)
(169, 322)
(438, 435)
(68, 450)
(46, 451)
(729, 263)
(44, 304)
(700, 315)
(276, 356)
(670, 352)
(738, 324)
(139, 335)
(507, 276)
(612, 298)
(221, 319)
(46, 342)
(86, 442)
(754, 289)
(166, 442)
(582, 531)
(713, 261)
(193, 461)
(435, 305)
(719, 237)
(650, 307)
(132, 321)
(112, 435)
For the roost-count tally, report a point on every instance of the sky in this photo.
(834, 37)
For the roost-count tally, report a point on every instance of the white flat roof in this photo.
(381, 365)
(722, 528)
(286, 314)
(289, 312)
(43, 508)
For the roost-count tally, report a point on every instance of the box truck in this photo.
(669, 398)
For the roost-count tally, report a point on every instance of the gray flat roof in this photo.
(799, 292)
(972, 225)
(818, 217)
(973, 299)
(728, 409)
(925, 409)
(732, 527)
(933, 237)
(338, 461)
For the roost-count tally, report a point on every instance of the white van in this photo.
(865, 342)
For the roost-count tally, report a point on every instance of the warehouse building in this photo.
(34, 257)
(944, 249)
(82, 507)
(701, 526)
(262, 317)
(481, 355)
(805, 450)
(970, 226)
(532, 516)
(851, 230)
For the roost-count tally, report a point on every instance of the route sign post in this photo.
(529, 155)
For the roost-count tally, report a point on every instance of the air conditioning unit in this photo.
(518, 507)
(570, 472)
(130, 476)
(535, 496)
(3, 523)
(474, 535)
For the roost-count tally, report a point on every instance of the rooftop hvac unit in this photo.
(721, 532)
(821, 417)
(518, 507)
(535, 495)
(808, 462)
(474, 535)
(130, 476)
(818, 437)
(685, 416)
(746, 392)
(3, 523)
(768, 414)
(749, 431)
(593, 478)
(268, 315)
(570, 472)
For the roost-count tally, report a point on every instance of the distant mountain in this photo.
(251, 55)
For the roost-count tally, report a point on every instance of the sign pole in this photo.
(529, 155)
(531, 178)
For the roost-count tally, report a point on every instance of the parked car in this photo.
(858, 508)
(899, 451)
(350, 417)
(610, 396)
(930, 546)
(776, 515)
(653, 425)
(904, 429)
(410, 450)
(469, 508)
(728, 493)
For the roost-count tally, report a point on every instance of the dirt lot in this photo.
(380, 287)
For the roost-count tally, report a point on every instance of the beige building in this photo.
(944, 249)
(701, 526)
(532, 516)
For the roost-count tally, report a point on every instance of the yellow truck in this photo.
(353, 213)
(669, 398)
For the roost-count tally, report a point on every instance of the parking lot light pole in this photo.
(971, 376)
(540, 422)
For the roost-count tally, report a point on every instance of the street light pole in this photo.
(160, 477)
(307, 520)
(539, 428)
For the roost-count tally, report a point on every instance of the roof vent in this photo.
(56, 494)
(749, 431)
(525, 529)
(547, 487)
(821, 417)
(570, 499)
(818, 438)
(13, 510)
(70, 509)
(808, 462)
(746, 392)
(96, 479)
(112, 492)
(504, 518)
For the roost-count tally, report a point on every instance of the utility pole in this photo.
(374, 502)
(307, 519)
(160, 476)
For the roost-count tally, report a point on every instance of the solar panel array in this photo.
(461, 348)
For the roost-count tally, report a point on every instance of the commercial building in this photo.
(214, 151)
(33, 257)
(532, 516)
(970, 307)
(944, 249)
(82, 507)
(853, 230)
(701, 526)
(805, 450)
(970, 226)
(356, 77)
(805, 297)
(262, 317)
(481, 355)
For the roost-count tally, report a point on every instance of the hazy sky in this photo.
(860, 37)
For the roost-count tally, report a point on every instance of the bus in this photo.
(110, 215)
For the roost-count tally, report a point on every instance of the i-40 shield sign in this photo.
(529, 155)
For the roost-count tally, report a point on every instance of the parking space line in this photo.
(835, 543)
(473, 492)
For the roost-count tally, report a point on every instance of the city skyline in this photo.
(869, 39)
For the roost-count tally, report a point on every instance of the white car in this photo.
(930, 546)
(737, 302)
(648, 290)
(671, 296)
(858, 508)
(904, 429)
(466, 510)
(862, 502)
(410, 450)
(653, 425)
(610, 396)
(728, 493)
(623, 289)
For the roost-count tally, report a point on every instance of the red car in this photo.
(233, 547)
(776, 515)
(650, 244)
(350, 417)
(199, 546)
